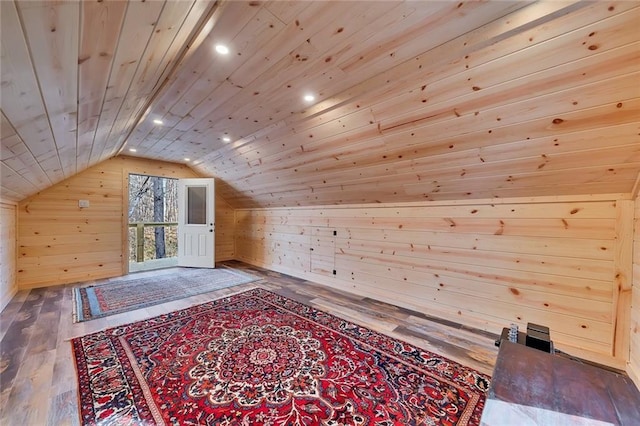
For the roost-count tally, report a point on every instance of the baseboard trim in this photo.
(634, 375)
(6, 298)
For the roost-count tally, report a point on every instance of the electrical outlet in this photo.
(83, 204)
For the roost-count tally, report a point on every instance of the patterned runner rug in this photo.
(257, 358)
(135, 293)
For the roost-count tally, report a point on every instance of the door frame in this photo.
(125, 211)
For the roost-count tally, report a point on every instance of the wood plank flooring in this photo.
(37, 375)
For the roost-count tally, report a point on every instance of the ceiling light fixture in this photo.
(222, 49)
(133, 150)
(157, 121)
(226, 139)
(187, 159)
(309, 98)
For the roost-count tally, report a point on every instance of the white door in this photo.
(196, 223)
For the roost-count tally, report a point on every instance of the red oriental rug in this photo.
(257, 358)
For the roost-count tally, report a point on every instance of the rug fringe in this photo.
(74, 307)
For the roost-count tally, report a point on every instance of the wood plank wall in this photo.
(634, 358)
(8, 284)
(225, 229)
(60, 243)
(553, 261)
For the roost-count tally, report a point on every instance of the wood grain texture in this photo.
(52, 32)
(623, 278)
(95, 57)
(486, 265)
(23, 108)
(414, 100)
(633, 367)
(58, 242)
(75, 76)
(340, 154)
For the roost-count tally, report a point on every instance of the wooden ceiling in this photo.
(421, 100)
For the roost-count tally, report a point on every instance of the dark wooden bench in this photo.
(532, 387)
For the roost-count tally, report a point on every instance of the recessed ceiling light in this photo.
(222, 49)
(133, 150)
(187, 159)
(156, 121)
(309, 98)
(226, 139)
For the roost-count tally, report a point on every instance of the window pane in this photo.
(196, 205)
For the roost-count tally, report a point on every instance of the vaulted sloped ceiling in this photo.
(420, 100)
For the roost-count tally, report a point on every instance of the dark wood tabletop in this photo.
(533, 378)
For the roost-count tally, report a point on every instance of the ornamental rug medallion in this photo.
(257, 358)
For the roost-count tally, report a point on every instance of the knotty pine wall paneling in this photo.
(633, 368)
(58, 242)
(8, 225)
(225, 230)
(557, 261)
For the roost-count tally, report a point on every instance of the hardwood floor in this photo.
(37, 375)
